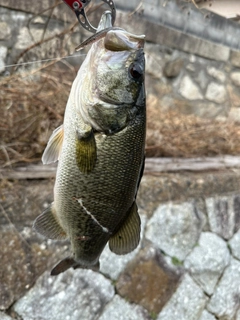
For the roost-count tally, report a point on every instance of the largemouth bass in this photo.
(100, 149)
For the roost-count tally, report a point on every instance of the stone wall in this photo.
(21, 32)
(191, 84)
(187, 265)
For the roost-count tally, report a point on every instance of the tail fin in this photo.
(69, 262)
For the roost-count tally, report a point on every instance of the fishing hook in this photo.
(78, 6)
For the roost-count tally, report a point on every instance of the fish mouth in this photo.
(118, 39)
(115, 39)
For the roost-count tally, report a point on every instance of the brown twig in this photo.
(51, 8)
(38, 43)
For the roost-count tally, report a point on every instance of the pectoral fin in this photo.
(54, 146)
(127, 237)
(86, 151)
(47, 225)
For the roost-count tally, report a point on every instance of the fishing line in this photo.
(142, 2)
(43, 60)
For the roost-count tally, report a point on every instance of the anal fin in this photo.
(86, 151)
(47, 225)
(127, 238)
(54, 146)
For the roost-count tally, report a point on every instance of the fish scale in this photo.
(99, 188)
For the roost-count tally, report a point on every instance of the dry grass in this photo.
(31, 106)
(172, 134)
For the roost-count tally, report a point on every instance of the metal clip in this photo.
(78, 7)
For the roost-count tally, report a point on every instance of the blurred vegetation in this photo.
(31, 108)
(32, 105)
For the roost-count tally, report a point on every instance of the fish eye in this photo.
(135, 71)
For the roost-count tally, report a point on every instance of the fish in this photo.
(100, 153)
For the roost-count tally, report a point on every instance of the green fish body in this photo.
(100, 149)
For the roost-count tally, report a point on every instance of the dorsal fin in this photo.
(127, 237)
(54, 146)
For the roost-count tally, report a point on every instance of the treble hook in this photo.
(78, 6)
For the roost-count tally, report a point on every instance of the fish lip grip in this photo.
(78, 7)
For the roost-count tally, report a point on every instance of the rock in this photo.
(234, 114)
(187, 302)
(238, 315)
(202, 79)
(217, 74)
(24, 39)
(111, 264)
(235, 76)
(207, 316)
(38, 20)
(189, 90)
(234, 244)
(157, 88)
(191, 67)
(236, 208)
(72, 295)
(175, 229)
(213, 51)
(120, 309)
(154, 60)
(200, 205)
(216, 92)
(28, 37)
(221, 216)
(148, 281)
(192, 58)
(235, 58)
(5, 30)
(4, 316)
(209, 110)
(3, 55)
(225, 301)
(204, 265)
(234, 97)
(173, 68)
